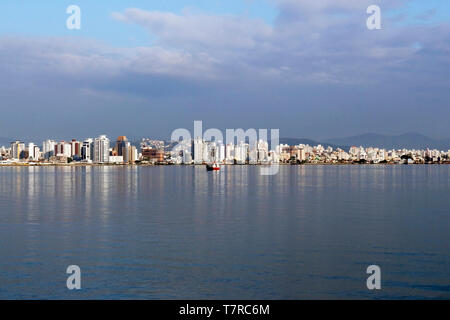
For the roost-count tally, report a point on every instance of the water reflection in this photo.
(183, 232)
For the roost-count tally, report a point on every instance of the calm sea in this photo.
(180, 232)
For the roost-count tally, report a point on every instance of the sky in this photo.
(144, 68)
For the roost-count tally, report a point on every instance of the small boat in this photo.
(212, 167)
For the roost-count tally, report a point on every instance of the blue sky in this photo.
(309, 68)
(47, 18)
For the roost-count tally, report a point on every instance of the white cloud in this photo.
(199, 31)
(311, 42)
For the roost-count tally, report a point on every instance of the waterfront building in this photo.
(48, 148)
(101, 149)
(229, 153)
(198, 150)
(152, 154)
(17, 150)
(241, 153)
(262, 151)
(134, 156)
(122, 146)
(187, 157)
(221, 155)
(207, 151)
(87, 150)
(3, 152)
(33, 152)
(76, 149)
(63, 149)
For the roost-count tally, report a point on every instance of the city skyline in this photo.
(411, 140)
(201, 150)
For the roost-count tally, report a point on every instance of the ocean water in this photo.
(180, 232)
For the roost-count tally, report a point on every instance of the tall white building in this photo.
(229, 153)
(207, 151)
(101, 149)
(220, 152)
(48, 148)
(33, 152)
(241, 153)
(187, 157)
(198, 150)
(262, 150)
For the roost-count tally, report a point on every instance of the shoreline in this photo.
(170, 165)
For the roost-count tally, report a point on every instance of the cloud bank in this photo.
(317, 63)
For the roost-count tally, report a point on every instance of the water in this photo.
(179, 232)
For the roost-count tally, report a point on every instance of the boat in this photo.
(212, 167)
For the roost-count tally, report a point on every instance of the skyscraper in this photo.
(87, 150)
(63, 149)
(101, 149)
(33, 152)
(17, 150)
(76, 149)
(48, 148)
(198, 151)
(122, 146)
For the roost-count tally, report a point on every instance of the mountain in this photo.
(410, 140)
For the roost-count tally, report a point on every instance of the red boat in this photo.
(212, 167)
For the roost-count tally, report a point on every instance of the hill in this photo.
(410, 140)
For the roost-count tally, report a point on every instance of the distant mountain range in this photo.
(410, 140)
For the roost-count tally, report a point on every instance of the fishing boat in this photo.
(212, 167)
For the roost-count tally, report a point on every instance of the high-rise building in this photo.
(122, 146)
(229, 153)
(220, 155)
(76, 149)
(33, 152)
(198, 150)
(134, 154)
(48, 148)
(17, 150)
(101, 149)
(63, 149)
(87, 150)
(241, 153)
(187, 157)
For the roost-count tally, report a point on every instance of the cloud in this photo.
(311, 41)
(199, 31)
(311, 48)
